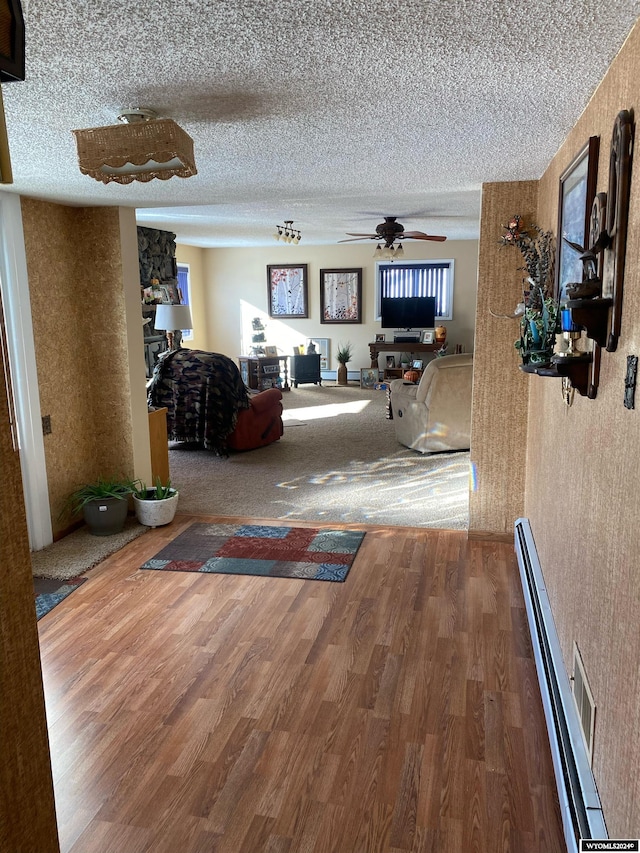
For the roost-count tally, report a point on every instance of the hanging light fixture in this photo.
(287, 233)
(388, 252)
(140, 148)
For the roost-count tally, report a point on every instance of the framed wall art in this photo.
(287, 291)
(341, 296)
(577, 191)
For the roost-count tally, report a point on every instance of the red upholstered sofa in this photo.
(208, 404)
(260, 424)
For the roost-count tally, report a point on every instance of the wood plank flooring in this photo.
(394, 713)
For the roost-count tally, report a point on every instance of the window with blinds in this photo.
(418, 278)
(185, 295)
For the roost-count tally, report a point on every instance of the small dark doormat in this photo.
(51, 592)
(259, 549)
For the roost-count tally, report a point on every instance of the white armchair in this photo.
(435, 414)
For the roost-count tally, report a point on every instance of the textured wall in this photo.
(27, 815)
(156, 253)
(79, 323)
(500, 390)
(583, 492)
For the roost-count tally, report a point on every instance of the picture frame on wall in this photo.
(369, 376)
(322, 347)
(576, 194)
(341, 295)
(169, 294)
(287, 291)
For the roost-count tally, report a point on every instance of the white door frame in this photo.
(22, 360)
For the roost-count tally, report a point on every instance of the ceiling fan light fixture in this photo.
(140, 148)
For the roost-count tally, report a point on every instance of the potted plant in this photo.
(344, 356)
(157, 505)
(539, 310)
(103, 504)
(405, 360)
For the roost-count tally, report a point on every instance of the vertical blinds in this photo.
(428, 279)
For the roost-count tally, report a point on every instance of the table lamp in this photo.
(173, 319)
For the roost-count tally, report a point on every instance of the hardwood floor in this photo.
(398, 711)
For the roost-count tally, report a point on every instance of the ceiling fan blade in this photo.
(352, 239)
(351, 234)
(418, 235)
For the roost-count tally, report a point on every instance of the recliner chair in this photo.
(208, 404)
(435, 414)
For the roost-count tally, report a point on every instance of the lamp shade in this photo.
(158, 148)
(172, 317)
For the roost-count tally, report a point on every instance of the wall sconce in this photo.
(173, 319)
(286, 233)
(141, 148)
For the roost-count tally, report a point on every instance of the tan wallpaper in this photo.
(77, 301)
(583, 492)
(500, 390)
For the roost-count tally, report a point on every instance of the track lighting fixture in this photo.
(287, 233)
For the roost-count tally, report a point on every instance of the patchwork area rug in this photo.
(51, 592)
(259, 549)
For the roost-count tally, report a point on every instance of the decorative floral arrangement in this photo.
(539, 311)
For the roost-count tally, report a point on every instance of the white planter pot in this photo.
(156, 513)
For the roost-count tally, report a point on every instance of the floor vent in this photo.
(579, 801)
(584, 701)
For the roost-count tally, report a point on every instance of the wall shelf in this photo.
(576, 368)
(593, 316)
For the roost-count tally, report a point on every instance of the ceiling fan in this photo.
(390, 231)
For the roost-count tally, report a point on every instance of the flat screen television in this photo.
(408, 312)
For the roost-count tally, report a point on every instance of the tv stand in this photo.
(377, 347)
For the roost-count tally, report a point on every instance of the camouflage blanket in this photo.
(203, 393)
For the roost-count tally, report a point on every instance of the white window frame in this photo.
(187, 334)
(449, 289)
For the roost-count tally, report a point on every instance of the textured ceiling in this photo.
(332, 114)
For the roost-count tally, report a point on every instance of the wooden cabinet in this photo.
(305, 369)
(159, 445)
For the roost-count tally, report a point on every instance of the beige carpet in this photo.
(338, 461)
(73, 555)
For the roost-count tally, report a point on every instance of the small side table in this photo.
(305, 369)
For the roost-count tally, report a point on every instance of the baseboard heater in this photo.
(580, 805)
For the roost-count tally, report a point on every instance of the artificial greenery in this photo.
(103, 488)
(539, 322)
(344, 353)
(158, 492)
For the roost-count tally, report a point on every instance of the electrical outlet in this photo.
(46, 424)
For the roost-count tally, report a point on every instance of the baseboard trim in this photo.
(580, 806)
